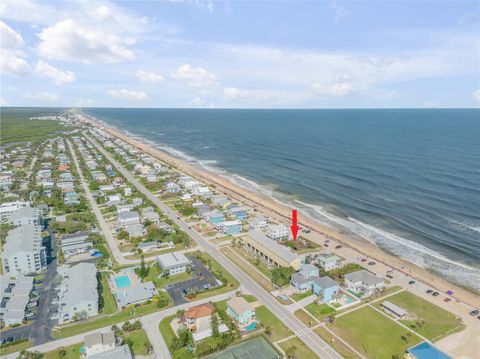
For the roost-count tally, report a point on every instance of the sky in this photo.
(240, 54)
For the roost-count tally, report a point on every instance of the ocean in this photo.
(407, 180)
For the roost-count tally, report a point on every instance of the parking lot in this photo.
(202, 279)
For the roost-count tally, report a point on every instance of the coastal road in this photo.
(313, 341)
(150, 324)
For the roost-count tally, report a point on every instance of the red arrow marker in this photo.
(294, 226)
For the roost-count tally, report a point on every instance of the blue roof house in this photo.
(303, 280)
(214, 217)
(232, 227)
(325, 288)
(239, 212)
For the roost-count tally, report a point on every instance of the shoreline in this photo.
(279, 211)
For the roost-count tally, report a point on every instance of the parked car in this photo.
(411, 282)
(364, 259)
(474, 312)
(429, 291)
(447, 300)
(371, 263)
(435, 294)
(389, 276)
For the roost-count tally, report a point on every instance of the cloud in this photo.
(148, 77)
(127, 94)
(203, 4)
(58, 76)
(12, 60)
(199, 102)
(3, 102)
(42, 96)
(430, 104)
(71, 40)
(476, 95)
(336, 89)
(194, 76)
(85, 102)
(234, 93)
(339, 10)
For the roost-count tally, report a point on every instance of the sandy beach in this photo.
(281, 213)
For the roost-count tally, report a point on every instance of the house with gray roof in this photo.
(121, 352)
(363, 281)
(75, 243)
(135, 294)
(77, 292)
(15, 295)
(174, 262)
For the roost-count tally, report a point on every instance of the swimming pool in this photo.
(251, 326)
(123, 281)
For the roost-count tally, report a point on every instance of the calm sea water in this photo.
(408, 180)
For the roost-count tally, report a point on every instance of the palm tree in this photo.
(268, 332)
(291, 352)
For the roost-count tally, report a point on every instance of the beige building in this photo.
(272, 252)
(98, 343)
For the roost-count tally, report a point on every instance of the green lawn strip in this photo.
(268, 319)
(71, 352)
(301, 350)
(305, 317)
(431, 321)
(166, 330)
(138, 342)
(373, 334)
(178, 247)
(336, 344)
(104, 321)
(319, 311)
(109, 305)
(160, 282)
(299, 296)
(214, 266)
(250, 270)
(249, 298)
(257, 264)
(15, 347)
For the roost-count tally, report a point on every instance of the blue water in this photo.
(251, 326)
(123, 282)
(407, 180)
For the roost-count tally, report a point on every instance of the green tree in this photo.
(281, 276)
(291, 351)
(214, 325)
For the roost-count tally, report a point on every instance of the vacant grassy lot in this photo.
(249, 298)
(373, 334)
(277, 328)
(339, 347)
(138, 342)
(72, 352)
(301, 350)
(305, 317)
(319, 311)
(155, 271)
(16, 126)
(430, 320)
(299, 296)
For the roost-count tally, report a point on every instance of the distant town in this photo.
(112, 252)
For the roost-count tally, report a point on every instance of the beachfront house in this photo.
(258, 222)
(213, 217)
(232, 227)
(302, 281)
(363, 281)
(173, 263)
(326, 289)
(328, 261)
(241, 311)
(172, 187)
(277, 232)
(240, 213)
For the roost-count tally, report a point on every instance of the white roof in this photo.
(172, 260)
(273, 246)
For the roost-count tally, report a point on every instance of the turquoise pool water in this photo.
(123, 281)
(251, 326)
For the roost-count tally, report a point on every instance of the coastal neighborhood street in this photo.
(319, 346)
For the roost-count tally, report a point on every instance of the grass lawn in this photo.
(154, 272)
(166, 330)
(109, 304)
(305, 317)
(257, 264)
(72, 352)
(339, 347)
(139, 342)
(431, 321)
(249, 269)
(279, 330)
(177, 247)
(104, 321)
(15, 347)
(319, 311)
(299, 296)
(373, 334)
(249, 298)
(301, 351)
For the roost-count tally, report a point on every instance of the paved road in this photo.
(107, 233)
(150, 323)
(314, 342)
